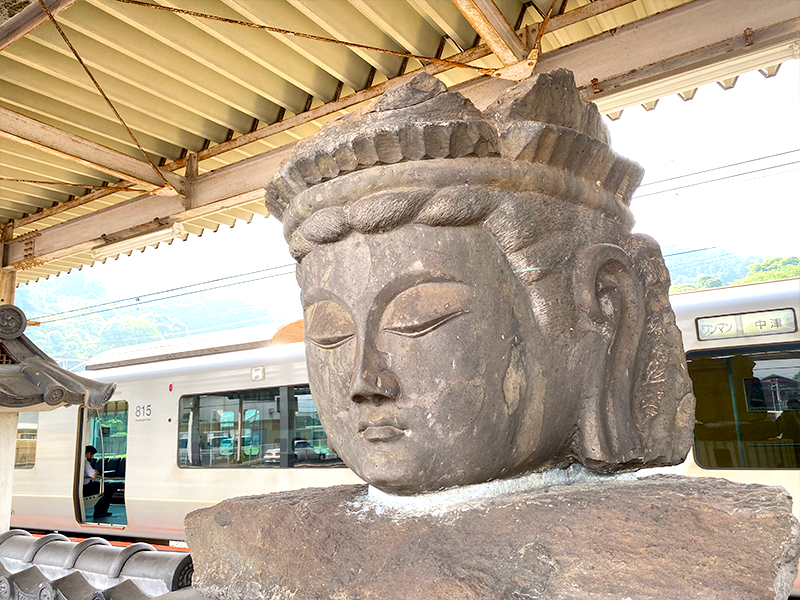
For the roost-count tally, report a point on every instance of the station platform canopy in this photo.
(216, 93)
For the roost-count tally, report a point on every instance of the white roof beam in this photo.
(10, 214)
(344, 22)
(48, 162)
(138, 47)
(67, 208)
(494, 29)
(20, 168)
(28, 19)
(38, 135)
(337, 60)
(23, 204)
(32, 202)
(62, 78)
(402, 22)
(449, 19)
(81, 122)
(125, 79)
(185, 38)
(261, 48)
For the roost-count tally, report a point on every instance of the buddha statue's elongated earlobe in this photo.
(609, 298)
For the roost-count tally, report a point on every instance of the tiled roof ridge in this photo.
(52, 567)
(30, 378)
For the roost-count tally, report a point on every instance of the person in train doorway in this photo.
(91, 485)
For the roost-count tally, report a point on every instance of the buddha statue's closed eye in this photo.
(476, 306)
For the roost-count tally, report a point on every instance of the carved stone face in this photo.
(424, 357)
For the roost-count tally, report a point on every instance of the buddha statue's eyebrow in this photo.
(309, 297)
(407, 281)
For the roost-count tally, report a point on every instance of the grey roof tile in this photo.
(52, 567)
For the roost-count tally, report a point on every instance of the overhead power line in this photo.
(186, 290)
(691, 251)
(728, 166)
(138, 300)
(733, 176)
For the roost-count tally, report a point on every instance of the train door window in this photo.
(748, 409)
(27, 427)
(100, 485)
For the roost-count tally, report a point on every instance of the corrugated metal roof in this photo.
(226, 93)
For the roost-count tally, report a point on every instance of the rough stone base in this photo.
(659, 538)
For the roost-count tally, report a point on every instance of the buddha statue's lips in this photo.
(381, 430)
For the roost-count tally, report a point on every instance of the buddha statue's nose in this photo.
(371, 382)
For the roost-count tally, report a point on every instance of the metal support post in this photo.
(287, 406)
(8, 421)
(8, 445)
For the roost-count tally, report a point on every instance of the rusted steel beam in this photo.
(487, 20)
(28, 19)
(54, 141)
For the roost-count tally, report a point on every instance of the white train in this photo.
(194, 421)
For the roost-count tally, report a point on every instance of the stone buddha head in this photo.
(476, 305)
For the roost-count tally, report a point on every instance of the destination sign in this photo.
(752, 324)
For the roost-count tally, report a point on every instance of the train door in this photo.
(100, 481)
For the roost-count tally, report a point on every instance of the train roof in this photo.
(713, 306)
(245, 338)
(739, 296)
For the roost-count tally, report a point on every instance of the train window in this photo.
(748, 409)
(110, 430)
(27, 426)
(244, 429)
(310, 440)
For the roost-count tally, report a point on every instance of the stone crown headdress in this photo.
(539, 121)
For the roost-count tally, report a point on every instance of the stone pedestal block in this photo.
(657, 538)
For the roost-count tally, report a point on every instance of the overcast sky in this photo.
(754, 214)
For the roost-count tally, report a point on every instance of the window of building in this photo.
(748, 409)
(244, 429)
(27, 428)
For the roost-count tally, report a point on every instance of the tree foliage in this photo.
(125, 331)
(703, 282)
(80, 318)
(773, 268)
(687, 265)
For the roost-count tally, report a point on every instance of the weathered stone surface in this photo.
(658, 538)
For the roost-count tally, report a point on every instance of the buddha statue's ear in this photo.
(609, 298)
